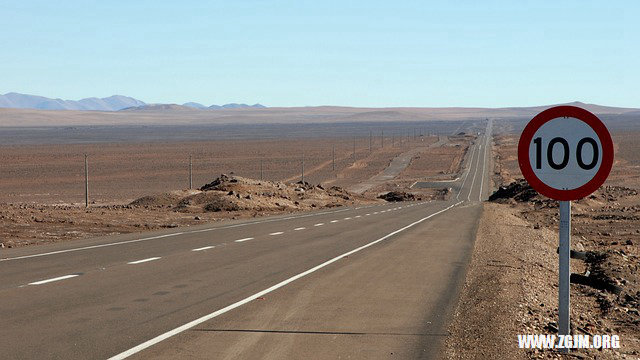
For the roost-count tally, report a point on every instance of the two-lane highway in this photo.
(102, 297)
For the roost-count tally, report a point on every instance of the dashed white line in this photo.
(245, 239)
(347, 218)
(299, 228)
(367, 214)
(143, 261)
(334, 221)
(54, 279)
(169, 235)
(277, 233)
(319, 224)
(191, 324)
(358, 216)
(203, 248)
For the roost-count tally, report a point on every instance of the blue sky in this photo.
(299, 53)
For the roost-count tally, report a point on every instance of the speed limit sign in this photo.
(565, 153)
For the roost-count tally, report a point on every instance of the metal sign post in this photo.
(564, 268)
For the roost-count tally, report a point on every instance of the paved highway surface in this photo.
(360, 282)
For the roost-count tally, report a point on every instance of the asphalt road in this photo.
(348, 282)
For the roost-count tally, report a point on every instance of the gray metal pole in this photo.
(564, 271)
(354, 148)
(333, 154)
(190, 172)
(86, 181)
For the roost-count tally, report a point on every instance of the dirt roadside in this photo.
(511, 284)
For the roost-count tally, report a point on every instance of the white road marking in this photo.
(169, 235)
(203, 248)
(473, 179)
(376, 213)
(142, 261)
(245, 239)
(319, 224)
(334, 221)
(358, 216)
(467, 174)
(347, 218)
(299, 228)
(54, 279)
(367, 214)
(191, 324)
(277, 233)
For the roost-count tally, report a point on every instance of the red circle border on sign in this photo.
(554, 113)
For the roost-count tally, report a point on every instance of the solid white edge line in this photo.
(242, 240)
(189, 325)
(54, 279)
(142, 261)
(203, 248)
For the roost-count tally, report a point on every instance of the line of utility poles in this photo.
(333, 158)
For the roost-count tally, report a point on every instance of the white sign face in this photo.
(565, 153)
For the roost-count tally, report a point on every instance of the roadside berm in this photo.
(236, 193)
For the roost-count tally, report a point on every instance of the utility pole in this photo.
(86, 181)
(354, 148)
(333, 154)
(303, 166)
(190, 172)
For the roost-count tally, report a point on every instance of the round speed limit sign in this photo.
(565, 153)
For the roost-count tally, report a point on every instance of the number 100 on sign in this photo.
(567, 147)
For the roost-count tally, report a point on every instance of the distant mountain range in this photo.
(111, 103)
